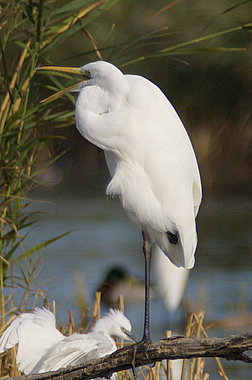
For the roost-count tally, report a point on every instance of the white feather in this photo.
(35, 334)
(149, 155)
(42, 348)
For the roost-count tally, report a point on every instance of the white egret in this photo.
(42, 348)
(149, 155)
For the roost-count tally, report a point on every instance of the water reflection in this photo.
(103, 236)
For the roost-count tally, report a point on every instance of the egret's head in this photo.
(115, 323)
(103, 73)
(100, 73)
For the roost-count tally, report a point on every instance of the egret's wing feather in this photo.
(10, 336)
(197, 193)
(35, 334)
(172, 176)
(77, 349)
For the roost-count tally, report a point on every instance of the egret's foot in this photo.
(136, 346)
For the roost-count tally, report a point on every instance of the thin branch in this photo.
(230, 348)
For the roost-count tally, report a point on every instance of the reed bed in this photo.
(29, 34)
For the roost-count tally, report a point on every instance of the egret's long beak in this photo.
(131, 337)
(70, 70)
(129, 334)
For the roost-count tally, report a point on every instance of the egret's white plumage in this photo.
(151, 160)
(42, 348)
(149, 155)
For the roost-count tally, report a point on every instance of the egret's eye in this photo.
(87, 74)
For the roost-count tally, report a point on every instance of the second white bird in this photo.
(42, 348)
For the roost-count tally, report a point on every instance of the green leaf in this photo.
(40, 246)
(55, 38)
(72, 6)
(10, 253)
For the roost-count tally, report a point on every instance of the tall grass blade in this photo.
(38, 247)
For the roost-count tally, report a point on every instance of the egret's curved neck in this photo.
(103, 95)
(96, 106)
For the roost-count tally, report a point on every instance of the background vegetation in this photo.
(29, 33)
(198, 52)
(201, 59)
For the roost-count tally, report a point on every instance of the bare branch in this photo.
(230, 348)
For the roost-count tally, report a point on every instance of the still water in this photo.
(102, 236)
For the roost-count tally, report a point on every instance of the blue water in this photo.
(220, 284)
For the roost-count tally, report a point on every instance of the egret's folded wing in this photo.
(77, 349)
(171, 280)
(10, 336)
(35, 334)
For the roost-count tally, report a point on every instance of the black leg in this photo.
(146, 335)
(147, 259)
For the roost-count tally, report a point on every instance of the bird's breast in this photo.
(134, 188)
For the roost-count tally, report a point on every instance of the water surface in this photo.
(220, 284)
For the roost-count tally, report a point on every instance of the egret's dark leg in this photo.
(147, 259)
(146, 334)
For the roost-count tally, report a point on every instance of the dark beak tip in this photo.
(132, 338)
